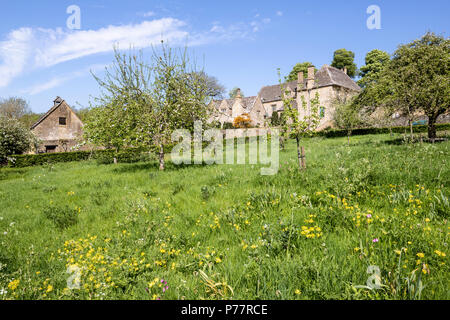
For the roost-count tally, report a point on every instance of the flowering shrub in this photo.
(14, 138)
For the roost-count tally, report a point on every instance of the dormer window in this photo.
(62, 121)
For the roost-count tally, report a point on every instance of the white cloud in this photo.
(148, 14)
(279, 13)
(61, 46)
(14, 53)
(38, 48)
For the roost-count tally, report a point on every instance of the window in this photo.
(322, 112)
(274, 107)
(62, 121)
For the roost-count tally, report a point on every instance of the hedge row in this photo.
(102, 156)
(384, 130)
(129, 155)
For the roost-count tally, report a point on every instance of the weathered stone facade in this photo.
(227, 110)
(328, 82)
(58, 130)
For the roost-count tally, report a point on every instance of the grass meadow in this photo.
(365, 221)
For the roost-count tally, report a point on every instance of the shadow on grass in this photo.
(402, 141)
(9, 174)
(154, 166)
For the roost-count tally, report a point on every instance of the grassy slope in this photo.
(242, 229)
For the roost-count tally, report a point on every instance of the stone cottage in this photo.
(228, 109)
(59, 129)
(328, 82)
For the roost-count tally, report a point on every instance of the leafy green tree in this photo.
(343, 58)
(113, 119)
(275, 121)
(143, 103)
(376, 61)
(300, 67)
(299, 122)
(178, 98)
(416, 80)
(346, 115)
(233, 93)
(15, 138)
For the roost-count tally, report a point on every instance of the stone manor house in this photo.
(329, 82)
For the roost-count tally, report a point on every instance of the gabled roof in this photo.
(326, 76)
(247, 103)
(330, 76)
(273, 93)
(56, 104)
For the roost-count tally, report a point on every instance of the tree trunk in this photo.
(411, 129)
(161, 158)
(299, 154)
(432, 127)
(115, 156)
(303, 158)
(281, 143)
(348, 137)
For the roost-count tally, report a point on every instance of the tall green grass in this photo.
(225, 231)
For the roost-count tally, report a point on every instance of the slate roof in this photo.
(326, 76)
(273, 93)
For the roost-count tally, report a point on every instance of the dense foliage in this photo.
(343, 58)
(300, 67)
(14, 138)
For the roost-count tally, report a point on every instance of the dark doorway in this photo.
(50, 149)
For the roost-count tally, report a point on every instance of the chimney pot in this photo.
(300, 80)
(311, 73)
(238, 93)
(311, 77)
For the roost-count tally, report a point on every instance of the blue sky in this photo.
(242, 43)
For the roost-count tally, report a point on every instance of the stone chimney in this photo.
(311, 77)
(300, 81)
(238, 94)
(57, 101)
(345, 70)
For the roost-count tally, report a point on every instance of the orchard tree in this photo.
(346, 115)
(343, 58)
(14, 138)
(300, 67)
(178, 98)
(296, 124)
(376, 61)
(416, 80)
(114, 116)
